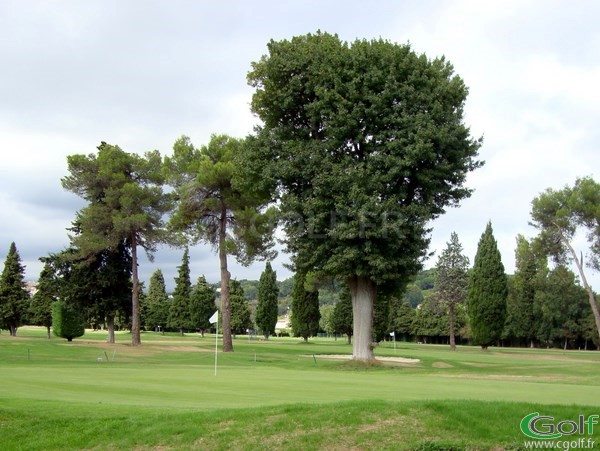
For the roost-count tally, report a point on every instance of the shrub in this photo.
(66, 321)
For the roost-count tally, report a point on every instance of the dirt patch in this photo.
(349, 357)
(127, 350)
(441, 365)
(498, 377)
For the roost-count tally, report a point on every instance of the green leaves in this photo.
(268, 295)
(487, 291)
(366, 144)
(13, 296)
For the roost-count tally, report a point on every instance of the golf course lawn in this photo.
(281, 394)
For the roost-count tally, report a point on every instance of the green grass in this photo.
(276, 395)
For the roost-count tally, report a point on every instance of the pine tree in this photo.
(268, 294)
(40, 308)
(202, 305)
(126, 204)
(452, 280)
(179, 313)
(13, 295)
(305, 309)
(486, 300)
(157, 302)
(241, 319)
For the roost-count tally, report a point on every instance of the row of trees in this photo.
(97, 290)
(537, 306)
(361, 146)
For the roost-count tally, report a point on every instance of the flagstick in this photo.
(216, 343)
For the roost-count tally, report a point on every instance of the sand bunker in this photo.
(380, 358)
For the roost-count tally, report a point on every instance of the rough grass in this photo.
(268, 395)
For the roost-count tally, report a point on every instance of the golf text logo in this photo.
(543, 427)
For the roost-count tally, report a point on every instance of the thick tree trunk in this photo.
(181, 331)
(48, 327)
(363, 292)
(452, 322)
(135, 295)
(349, 338)
(110, 323)
(590, 292)
(13, 331)
(225, 276)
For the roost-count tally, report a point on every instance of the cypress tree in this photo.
(520, 324)
(305, 309)
(202, 305)
(40, 308)
(157, 302)
(179, 313)
(342, 317)
(13, 295)
(268, 294)
(240, 309)
(486, 300)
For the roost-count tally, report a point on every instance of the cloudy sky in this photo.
(142, 73)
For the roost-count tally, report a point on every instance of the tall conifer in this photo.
(268, 294)
(13, 295)
(488, 291)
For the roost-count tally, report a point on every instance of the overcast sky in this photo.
(140, 74)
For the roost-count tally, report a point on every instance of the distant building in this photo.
(31, 287)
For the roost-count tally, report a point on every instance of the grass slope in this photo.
(276, 395)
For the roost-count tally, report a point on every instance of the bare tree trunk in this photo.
(363, 292)
(452, 322)
(135, 295)
(349, 339)
(13, 331)
(110, 323)
(225, 276)
(181, 331)
(48, 328)
(590, 292)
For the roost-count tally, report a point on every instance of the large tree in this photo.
(559, 308)
(305, 308)
(268, 294)
(13, 295)
(157, 302)
(97, 285)
(452, 280)
(202, 305)
(558, 215)
(488, 290)
(221, 203)
(179, 312)
(126, 203)
(366, 143)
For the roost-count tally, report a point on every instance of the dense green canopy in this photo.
(366, 144)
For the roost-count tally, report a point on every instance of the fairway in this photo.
(279, 393)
